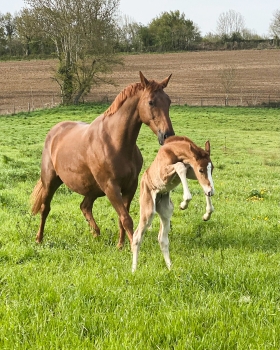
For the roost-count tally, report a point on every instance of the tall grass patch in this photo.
(77, 292)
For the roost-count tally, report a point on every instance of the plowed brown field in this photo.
(195, 79)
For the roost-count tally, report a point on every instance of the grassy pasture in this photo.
(77, 292)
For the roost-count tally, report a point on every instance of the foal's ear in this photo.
(193, 150)
(207, 147)
(165, 82)
(144, 81)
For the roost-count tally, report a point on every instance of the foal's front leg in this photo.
(181, 170)
(209, 209)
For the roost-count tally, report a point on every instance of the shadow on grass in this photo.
(216, 236)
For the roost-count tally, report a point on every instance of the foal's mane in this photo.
(200, 152)
(176, 138)
(130, 91)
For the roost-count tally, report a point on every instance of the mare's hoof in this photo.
(120, 246)
(39, 240)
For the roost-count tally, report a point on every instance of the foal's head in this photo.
(203, 167)
(154, 107)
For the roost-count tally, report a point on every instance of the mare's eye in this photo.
(201, 171)
(151, 103)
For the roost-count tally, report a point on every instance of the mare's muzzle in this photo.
(162, 136)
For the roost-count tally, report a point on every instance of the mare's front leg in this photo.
(164, 208)
(127, 198)
(209, 209)
(86, 208)
(113, 192)
(181, 170)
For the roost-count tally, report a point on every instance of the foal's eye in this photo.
(151, 103)
(201, 171)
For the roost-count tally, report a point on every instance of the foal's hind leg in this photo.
(86, 208)
(48, 191)
(147, 212)
(164, 207)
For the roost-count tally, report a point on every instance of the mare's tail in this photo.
(36, 197)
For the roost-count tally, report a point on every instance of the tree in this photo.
(228, 80)
(26, 28)
(84, 35)
(129, 38)
(8, 27)
(147, 38)
(275, 24)
(171, 31)
(230, 25)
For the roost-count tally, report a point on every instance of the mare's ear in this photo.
(165, 82)
(207, 147)
(144, 81)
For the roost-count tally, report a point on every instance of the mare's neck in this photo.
(125, 124)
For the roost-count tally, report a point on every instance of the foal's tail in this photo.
(36, 197)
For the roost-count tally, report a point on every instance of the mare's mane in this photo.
(130, 91)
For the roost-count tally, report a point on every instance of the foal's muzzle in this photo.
(209, 193)
(163, 136)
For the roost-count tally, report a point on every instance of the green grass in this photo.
(77, 292)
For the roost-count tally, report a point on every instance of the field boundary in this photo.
(247, 100)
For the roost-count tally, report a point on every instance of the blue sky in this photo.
(204, 13)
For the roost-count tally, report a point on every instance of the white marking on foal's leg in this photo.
(135, 248)
(165, 211)
(181, 170)
(209, 205)
(209, 209)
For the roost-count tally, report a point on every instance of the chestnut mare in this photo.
(102, 158)
(179, 158)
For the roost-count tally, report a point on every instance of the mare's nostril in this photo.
(167, 135)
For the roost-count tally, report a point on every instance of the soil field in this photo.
(196, 79)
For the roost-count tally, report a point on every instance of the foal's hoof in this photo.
(206, 217)
(184, 205)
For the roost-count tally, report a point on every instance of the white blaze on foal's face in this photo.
(209, 175)
(205, 179)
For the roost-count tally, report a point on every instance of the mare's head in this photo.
(203, 167)
(154, 106)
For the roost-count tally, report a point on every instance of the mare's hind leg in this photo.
(48, 191)
(86, 208)
(164, 208)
